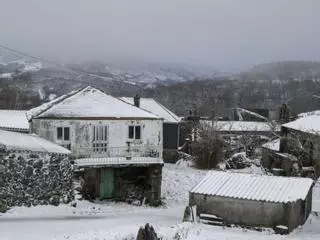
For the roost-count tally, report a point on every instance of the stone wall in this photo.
(28, 179)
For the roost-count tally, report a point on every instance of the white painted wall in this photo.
(81, 133)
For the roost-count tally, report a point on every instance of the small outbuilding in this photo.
(254, 200)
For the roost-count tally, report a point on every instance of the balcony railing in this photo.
(120, 152)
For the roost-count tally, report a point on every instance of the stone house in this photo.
(254, 200)
(103, 133)
(33, 171)
(297, 151)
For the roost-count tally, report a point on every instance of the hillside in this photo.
(24, 84)
(283, 71)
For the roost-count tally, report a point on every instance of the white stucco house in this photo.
(93, 124)
(117, 147)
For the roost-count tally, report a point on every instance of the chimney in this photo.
(136, 100)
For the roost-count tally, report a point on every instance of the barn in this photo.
(254, 200)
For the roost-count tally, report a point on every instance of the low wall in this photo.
(32, 179)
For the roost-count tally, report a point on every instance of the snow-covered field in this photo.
(106, 221)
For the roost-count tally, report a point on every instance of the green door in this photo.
(106, 183)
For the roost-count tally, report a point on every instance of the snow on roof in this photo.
(14, 120)
(309, 124)
(254, 187)
(241, 126)
(306, 114)
(151, 105)
(14, 141)
(113, 161)
(273, 145)
(239, 111)
(86, 103)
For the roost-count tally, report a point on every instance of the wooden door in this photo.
(106, 183)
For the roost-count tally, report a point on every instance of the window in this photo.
(100, 138)
(134, 132)
(63, 133)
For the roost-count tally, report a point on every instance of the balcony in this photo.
(106, 156)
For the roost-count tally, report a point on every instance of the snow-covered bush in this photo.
(35, 179)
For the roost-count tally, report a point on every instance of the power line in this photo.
(53, 63)
(30, 56)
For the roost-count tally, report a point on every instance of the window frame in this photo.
(100, 144)
(62, 139)
(134, 132)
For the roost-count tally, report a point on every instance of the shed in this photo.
(254, 200)
(122, 179)
(14, 120)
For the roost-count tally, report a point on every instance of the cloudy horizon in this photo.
(224, 34)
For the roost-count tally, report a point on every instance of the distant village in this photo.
(114, 149)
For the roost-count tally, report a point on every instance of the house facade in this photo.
(171, 124)
(170, 120)
(117, 146)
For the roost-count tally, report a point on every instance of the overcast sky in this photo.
(227, 34)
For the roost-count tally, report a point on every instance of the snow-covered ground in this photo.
(109, 221)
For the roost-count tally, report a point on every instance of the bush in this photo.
(3, 206)
(208, 153)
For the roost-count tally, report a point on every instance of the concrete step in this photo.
(210, 217)
(214, 223)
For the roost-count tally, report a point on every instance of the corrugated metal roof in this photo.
(253, 187)
(14, 141)
(14, 120)
(240, 126)
(113, 161)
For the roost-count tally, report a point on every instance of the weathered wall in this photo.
(32, 179)
(81, 133)
(130, 183)
(308, 160)
(246, 212)
(271, 160)
(154, 180)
